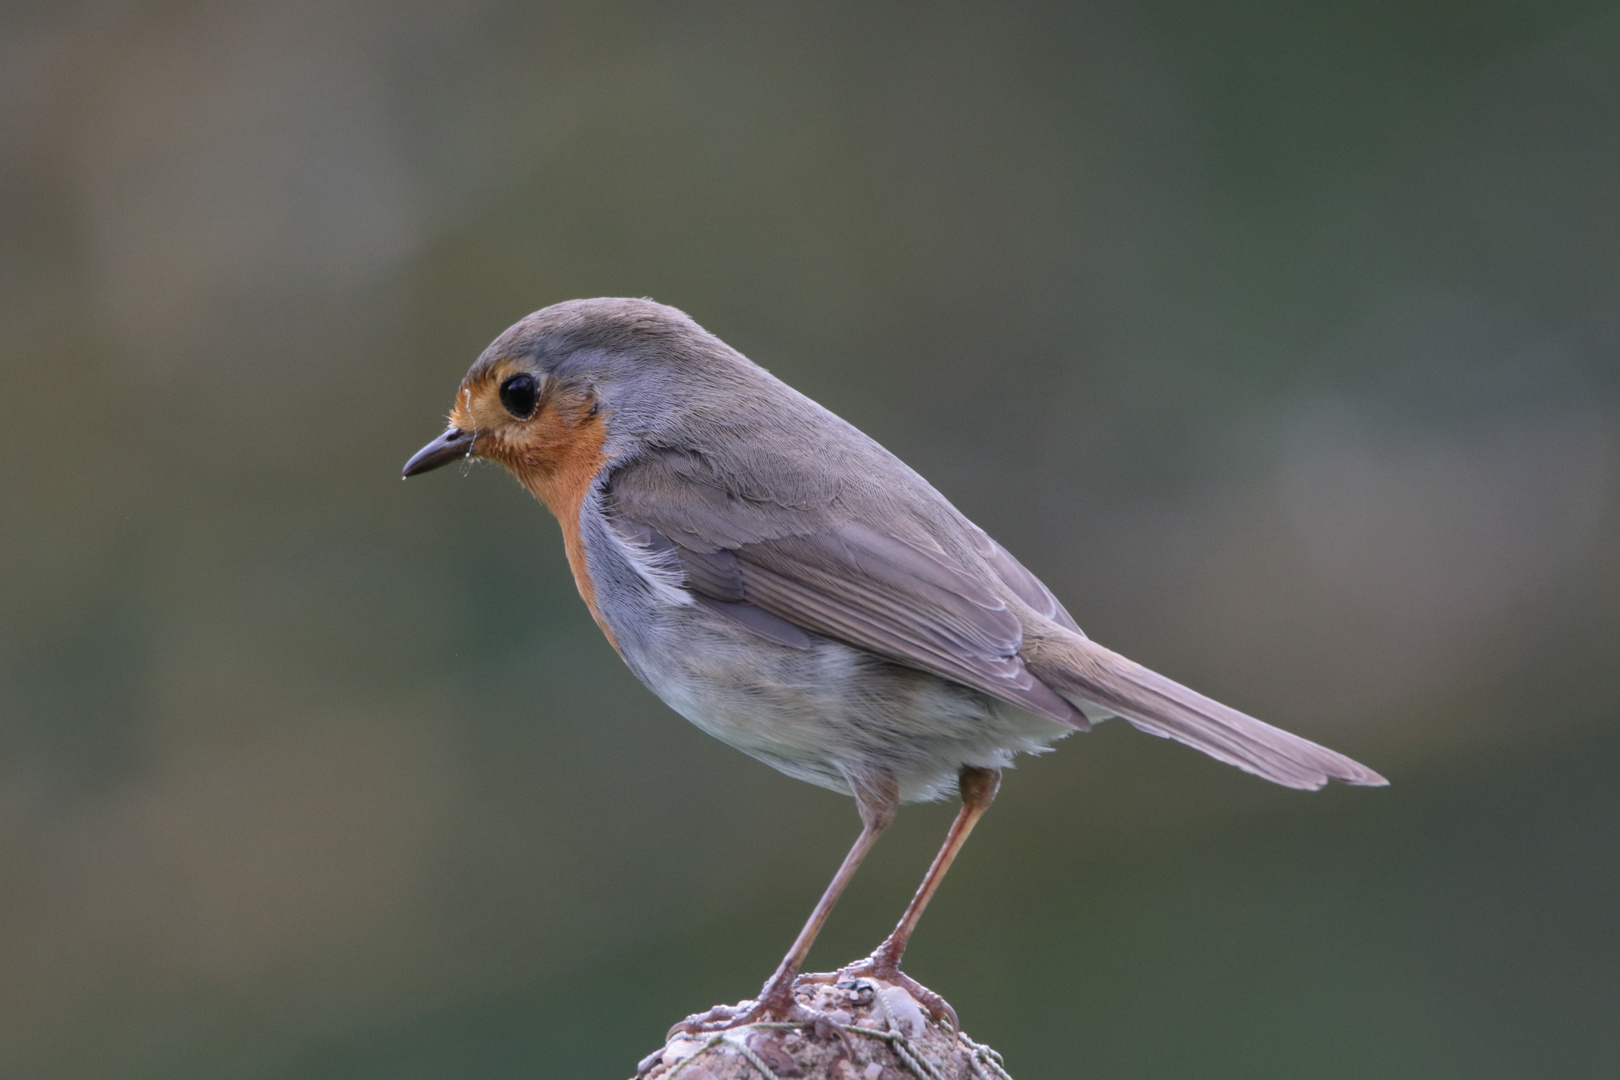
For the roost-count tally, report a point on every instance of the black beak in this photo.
(453, 444)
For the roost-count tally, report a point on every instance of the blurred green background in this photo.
(1281, 339)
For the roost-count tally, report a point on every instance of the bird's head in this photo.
(572, 386)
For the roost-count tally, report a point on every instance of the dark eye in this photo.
(519, 394)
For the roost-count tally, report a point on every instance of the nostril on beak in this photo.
(453, 444)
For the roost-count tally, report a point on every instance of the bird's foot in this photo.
(776, 1005)
(880, 968)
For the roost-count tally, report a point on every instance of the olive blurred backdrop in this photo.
(1282, 339)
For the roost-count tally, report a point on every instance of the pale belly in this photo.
(828, 712)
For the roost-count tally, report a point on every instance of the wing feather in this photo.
(894, 592)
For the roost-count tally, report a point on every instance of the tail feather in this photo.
(1159, 706)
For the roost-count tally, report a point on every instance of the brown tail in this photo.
(1081, 669)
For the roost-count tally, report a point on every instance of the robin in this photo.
(792, 588)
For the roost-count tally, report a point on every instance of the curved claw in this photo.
(716, 1019)
(726, 1017)
(875, 968)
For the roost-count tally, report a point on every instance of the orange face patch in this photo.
(556, 454)
(478, 407)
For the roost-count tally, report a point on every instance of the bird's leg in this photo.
(876, 797)
(978, 788)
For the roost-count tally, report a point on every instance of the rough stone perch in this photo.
(874, 1031)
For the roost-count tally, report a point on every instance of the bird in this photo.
(792, 588)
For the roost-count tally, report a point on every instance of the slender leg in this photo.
(876, 797)
(979, 788)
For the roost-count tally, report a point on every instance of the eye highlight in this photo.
(520, 394)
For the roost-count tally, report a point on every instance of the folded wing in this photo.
(892, 591)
